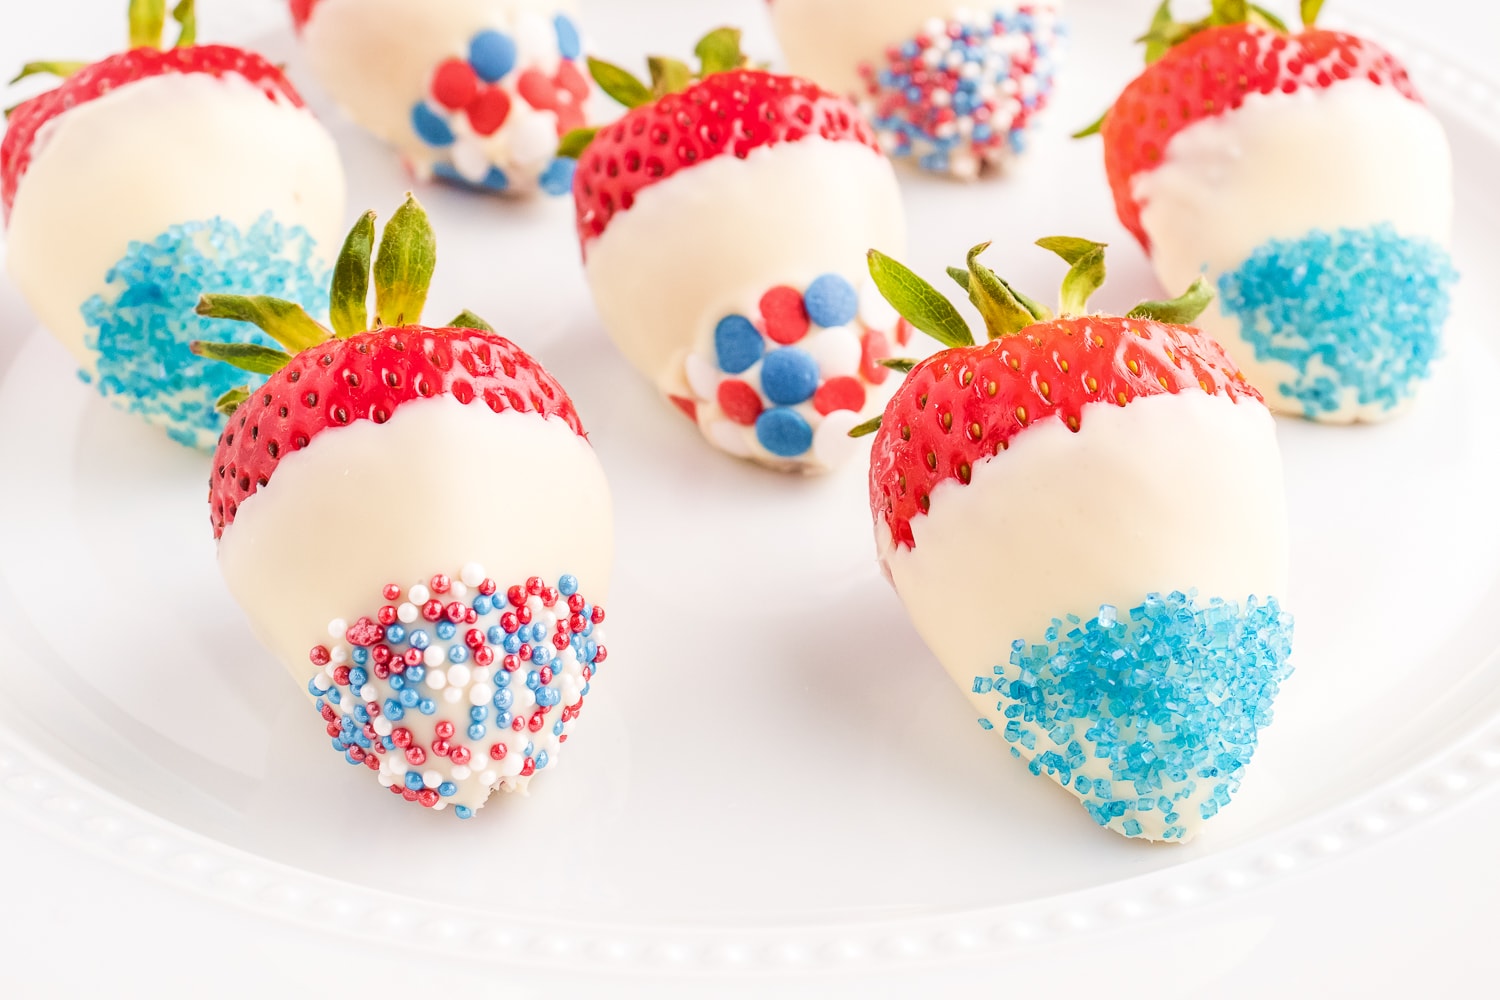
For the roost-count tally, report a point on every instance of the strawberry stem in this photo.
(59, 69)
(284, 322)
(868, 427)
(924, 307)
(468, 321)
(147, 20)
(1086, 271)
(186, 16)
(232, 400)
(350, 299)
(246, 357)
(720, 51)
(1310, 11)
(404, 266)
(1182, 310)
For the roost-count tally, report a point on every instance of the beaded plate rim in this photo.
(44, 793)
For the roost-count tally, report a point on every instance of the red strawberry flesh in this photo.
(965, 405)
(1214, 72)
(118, 71)
(726, 114)
(368, 377)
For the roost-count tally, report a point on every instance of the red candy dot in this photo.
(601, 655)
(444, 730)
(387, 615)
(473, 638)
(454, 84)
(544, 675)
(516, 596)
(873, 348)
(372, 762)
(416, 756)
(904, 330)
(439, 584)
(498, 751)
(364, 633)
(537, 90)
(739, 401)
(428, 797)
(785, 315)
(534, 585)
(484, 656)
(509, 624)
(341, 676)
(511, 663)
(841, 393)
(432, 610)
(319, 656)
(523, 615)
(441, 747)
(598, 614)
(576, 602)
(460, 756)
(391, 592)
(401, 737)
(529, 768)
(455, 612)
(687, 406)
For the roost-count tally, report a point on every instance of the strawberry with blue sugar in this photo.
(473, 92)
(1085, 518)
(380, 520)
(723, 222)
(148, 177)
(1302, 174)
(955, 87)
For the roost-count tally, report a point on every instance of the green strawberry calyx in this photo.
(1166, 32)
(1007, 312)
(148, 22)
(402, 271)
(719, 51)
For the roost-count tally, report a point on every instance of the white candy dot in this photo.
(482, 675)
(703, 376)
(407, 613)
(457, 590)
(728, 436)
(832, 444)
(459, 675)
(322, 681)
(439, 806)
(437, 680)
(470, 160)
(598, 635)
(528, 697)
(472, 574)
(339, 654)
(453, 695)
(432, 778)
(460, 772)
(419, 594)
(383, 726)
(512, 764)
(836, 350)
(488, 778)
(337, 628)
(434, 656)
(480, 694)
(570, 688)
(386, 780)
(368, 693)
(532, 135)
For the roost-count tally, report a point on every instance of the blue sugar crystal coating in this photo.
(142, 325)
(1136, 714)
(1356, 312)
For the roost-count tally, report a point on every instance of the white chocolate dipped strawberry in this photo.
(1301, 173)
(144, 180)
(474, 92)
(1085, 519)
(724, 221)
(952, 85)
(416, 525)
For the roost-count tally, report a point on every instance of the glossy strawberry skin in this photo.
(967, 404)
(1214, 72)
(368, 377)
(726, 114)
(120, 70)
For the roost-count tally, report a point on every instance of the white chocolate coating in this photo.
(1166, 494)
(151, 155)
(712, 239)
(377, 58)
(1280, 166)
(320, 541)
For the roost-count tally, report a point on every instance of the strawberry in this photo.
(197, 166)
(956, 90)
(723, 222)
(1265, 159)
(1085, 519)
(358, 496)
(474, 94)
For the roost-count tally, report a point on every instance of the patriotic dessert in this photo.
(1303, 175)
(474, 92)
(954, 86)
(143, 180)
(724, 222)
(1084, 516)
(380, 519)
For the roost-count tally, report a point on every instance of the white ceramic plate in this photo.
(774, 771)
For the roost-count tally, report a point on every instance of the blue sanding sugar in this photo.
(1135, 713)
(1356, 312)
(142, 326)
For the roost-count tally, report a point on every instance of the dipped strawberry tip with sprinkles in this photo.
(457, 686)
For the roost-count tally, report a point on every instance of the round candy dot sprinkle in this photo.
(831, 301)
(738, 344)
(488, 110)
(454, 84)
(430, 126)
(841, 393)
(493, 55)
(569, 44)
(789, 376)
(739, 401)
(784, 314)
(784, 433)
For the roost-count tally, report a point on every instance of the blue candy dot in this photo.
(738, 343)
(447, 789)
(831, 301)
(414, 781)
(783, 432)
(789, 376)
(492, 54)
(557, 179)
(568, 42)
(430, 126)
(463, 812)
(495, 180)
(445, 629)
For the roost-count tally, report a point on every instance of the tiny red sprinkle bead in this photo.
(473, 638)
(428, 797)
(440, 584)
(391, 592)
(841, 393)
(484, 656)
(460, 756)
(328, 712)
(470, 616)
(545, 675)
(578, 623)
(536, 720)
(408, 794)
(413, 657)
(319, 656)
(455, 611)
(576, 603)
(382, 668)
(364, 633)
(549, 596)
(785, 314)
(372, 762)
(381, 654)
(416, 756)
(523, 615)
(397, 790)
(387, 615)
(534, 585)
(401, 737)
(432, 610)
(356, 753)
(511, 663)
(497, 751)
(529, 768)
(739, 401)
(374, 709)
(341, 676)
(488, 110)
(601, 654)
(560, 641)
(518, 723)
(444, 730)
(455, 83)
(509, 624)
(598, 614)
(441, 747)
(332, 729)
(516, 596)
(487, 587)
(525, 651)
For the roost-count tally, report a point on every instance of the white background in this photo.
(1413, 916)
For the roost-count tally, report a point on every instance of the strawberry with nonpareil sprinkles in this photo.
(956, 87)
(1302, 174)
(416, 525)
(1085, 519)
(724, 220)
(149, 177)
(475, 93)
